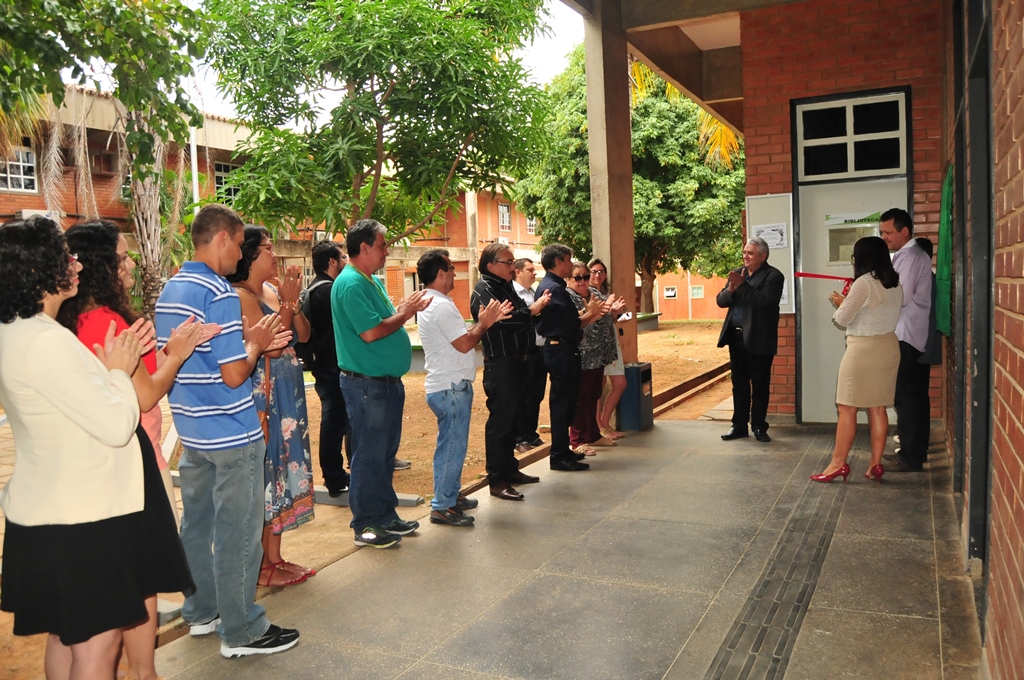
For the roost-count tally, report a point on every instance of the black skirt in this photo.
(78, 580)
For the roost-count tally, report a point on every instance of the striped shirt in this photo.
(511, 337)
(208, 414)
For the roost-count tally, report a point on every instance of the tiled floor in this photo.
(637, 568)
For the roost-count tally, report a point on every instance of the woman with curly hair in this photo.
(103, 300)
(288, 472)
(80, 557)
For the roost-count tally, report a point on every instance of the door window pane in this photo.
(827, 159)
(824, 123)
(876, 154)
(876, 117)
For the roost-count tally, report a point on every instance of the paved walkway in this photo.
(677, 556)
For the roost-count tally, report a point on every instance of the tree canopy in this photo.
(142, 50)
(686, 212)
(383, 108)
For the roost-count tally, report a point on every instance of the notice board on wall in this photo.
(771, 217)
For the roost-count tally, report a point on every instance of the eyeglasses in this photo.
(583, 277)
(598, 272)
(508, 262)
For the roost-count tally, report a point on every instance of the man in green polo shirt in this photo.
(374, 353)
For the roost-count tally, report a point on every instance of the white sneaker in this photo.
(198, 629)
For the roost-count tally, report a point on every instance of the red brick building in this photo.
(848, 108)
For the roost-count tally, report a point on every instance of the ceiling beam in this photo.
(657, 13)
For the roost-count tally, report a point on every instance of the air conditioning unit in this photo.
(26, 213)
(503, 240)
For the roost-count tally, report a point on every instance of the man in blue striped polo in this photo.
(222, 463)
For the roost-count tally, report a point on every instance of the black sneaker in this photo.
(450, 517)
(334, 493)
(402, 464)
(376, 538)
(401, 527)
(275, 640)
(464, 503)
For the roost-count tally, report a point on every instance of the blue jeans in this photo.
(333, 427)
(453, 407)
(221, 528)
(375, 411)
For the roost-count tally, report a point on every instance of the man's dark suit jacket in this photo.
(759, 296)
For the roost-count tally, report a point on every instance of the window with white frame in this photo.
(850, 138)
(696, 292)
(18, 172)
(220, 176)
(670, 292)
(504, 217)
(531, 225)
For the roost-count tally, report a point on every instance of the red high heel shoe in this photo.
(844, 471)
(875, 473)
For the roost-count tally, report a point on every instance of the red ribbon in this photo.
(808, 275)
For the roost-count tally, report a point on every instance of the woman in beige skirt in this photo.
(867, 373)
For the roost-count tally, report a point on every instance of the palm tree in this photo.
(718, 143)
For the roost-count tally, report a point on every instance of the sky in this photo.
(545, 59)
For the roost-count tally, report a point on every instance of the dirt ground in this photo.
(677, 352)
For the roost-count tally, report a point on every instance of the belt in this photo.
(378, 378)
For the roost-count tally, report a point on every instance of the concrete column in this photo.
(611, 160)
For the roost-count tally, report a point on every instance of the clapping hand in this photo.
(540, 303)
(119, 352)
(736, 277)
(618, 304)
(494, 312)
(290, 287)
(836, 298)
(146, 333)
(268, 333)
(189, 334)
(416, 302)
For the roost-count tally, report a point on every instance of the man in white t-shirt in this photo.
(451, 368)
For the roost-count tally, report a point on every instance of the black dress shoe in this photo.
(577, 456)
(889, 457)
(762, 436)
(900, 466)
(568, 465)
(520, 477)
(505, 491)
(735, 433)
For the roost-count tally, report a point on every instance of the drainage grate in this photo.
(761, 640)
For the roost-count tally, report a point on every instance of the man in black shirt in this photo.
(328, 261)
(505, 345)
(561, 326)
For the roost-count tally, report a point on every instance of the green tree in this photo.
(686, 211)
(140, 50)
(367, 108)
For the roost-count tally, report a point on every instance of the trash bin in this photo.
(636, 407)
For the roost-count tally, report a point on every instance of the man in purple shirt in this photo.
(913, 408)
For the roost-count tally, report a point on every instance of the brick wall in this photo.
(1005, 615)
(838, 47)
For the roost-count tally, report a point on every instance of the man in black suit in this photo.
(751, 331)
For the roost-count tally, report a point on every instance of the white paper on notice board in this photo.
(773, 234)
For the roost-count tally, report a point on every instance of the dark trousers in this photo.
(563, 364)
(751, 379)
(584, 423)
(533, 394)
(503, 385)
(334, 426)
(913, 407)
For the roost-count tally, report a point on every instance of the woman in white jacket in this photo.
(74, 503)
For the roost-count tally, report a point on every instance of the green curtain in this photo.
(944, 260)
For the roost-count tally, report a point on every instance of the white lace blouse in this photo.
(870, 308)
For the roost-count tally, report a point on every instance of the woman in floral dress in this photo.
(287, 469)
